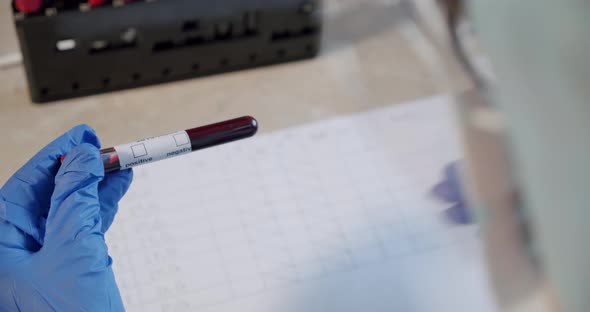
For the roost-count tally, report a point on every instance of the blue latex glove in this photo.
(53, 217)
(451, 191)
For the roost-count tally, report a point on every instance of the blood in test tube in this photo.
(171, 145)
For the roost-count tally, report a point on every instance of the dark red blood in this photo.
(222, 132)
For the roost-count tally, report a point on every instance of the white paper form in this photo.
(331, 216)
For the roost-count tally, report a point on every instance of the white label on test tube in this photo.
(153, 149)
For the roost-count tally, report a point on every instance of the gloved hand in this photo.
(450, 191)
(53, 218)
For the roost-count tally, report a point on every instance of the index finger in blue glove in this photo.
(75, 206)
(459, 214)
(110, 191)
(25, 198)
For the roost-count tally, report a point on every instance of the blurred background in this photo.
(373, 53)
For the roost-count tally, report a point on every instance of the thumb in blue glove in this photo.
(450, 190)
(52, 223)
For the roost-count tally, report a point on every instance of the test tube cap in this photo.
(28, 6)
